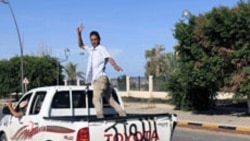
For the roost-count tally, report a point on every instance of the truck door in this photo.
(29, 126)
(16, 123)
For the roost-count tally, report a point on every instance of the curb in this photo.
(182, 123)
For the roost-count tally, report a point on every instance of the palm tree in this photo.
(170, 63)
(72, 73)
(154, 59)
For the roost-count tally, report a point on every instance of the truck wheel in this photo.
(3, 137)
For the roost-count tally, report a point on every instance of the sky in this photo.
(127, 28)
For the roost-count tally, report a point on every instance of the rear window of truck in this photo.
(62, 99)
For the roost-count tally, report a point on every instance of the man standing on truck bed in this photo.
(98, 58)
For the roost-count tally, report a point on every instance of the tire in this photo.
(3, 137)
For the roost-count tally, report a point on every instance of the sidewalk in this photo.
(227, 118)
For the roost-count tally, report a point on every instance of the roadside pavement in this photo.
(219, 119)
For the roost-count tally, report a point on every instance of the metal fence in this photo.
(159, 83)
(139, 83)
(119, 83)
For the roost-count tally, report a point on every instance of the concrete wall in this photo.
(144, 94)
(164, 95)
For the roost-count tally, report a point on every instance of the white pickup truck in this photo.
(66, 113)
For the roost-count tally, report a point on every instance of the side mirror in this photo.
(6, 110)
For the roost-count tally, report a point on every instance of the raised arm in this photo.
(79, 35)
(113, 63)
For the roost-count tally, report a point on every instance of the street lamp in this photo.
(186, 14)
(66, 53)
(20, 42)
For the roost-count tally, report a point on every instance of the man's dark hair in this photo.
(96, 34)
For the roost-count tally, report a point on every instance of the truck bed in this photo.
(133, 127)
(108, 117)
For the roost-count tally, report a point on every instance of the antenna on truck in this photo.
(87, 100)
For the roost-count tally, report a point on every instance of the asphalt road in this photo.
(185, 134)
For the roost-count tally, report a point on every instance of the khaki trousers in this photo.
(102, 88)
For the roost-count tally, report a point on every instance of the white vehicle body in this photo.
(66, 113)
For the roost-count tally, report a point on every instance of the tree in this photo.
(160, 65)
(154, 64)
(72, 73)
(40, 71)
(9, 76)
(238, 80)
(214, 54)
(42, 50)
(169, 63)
